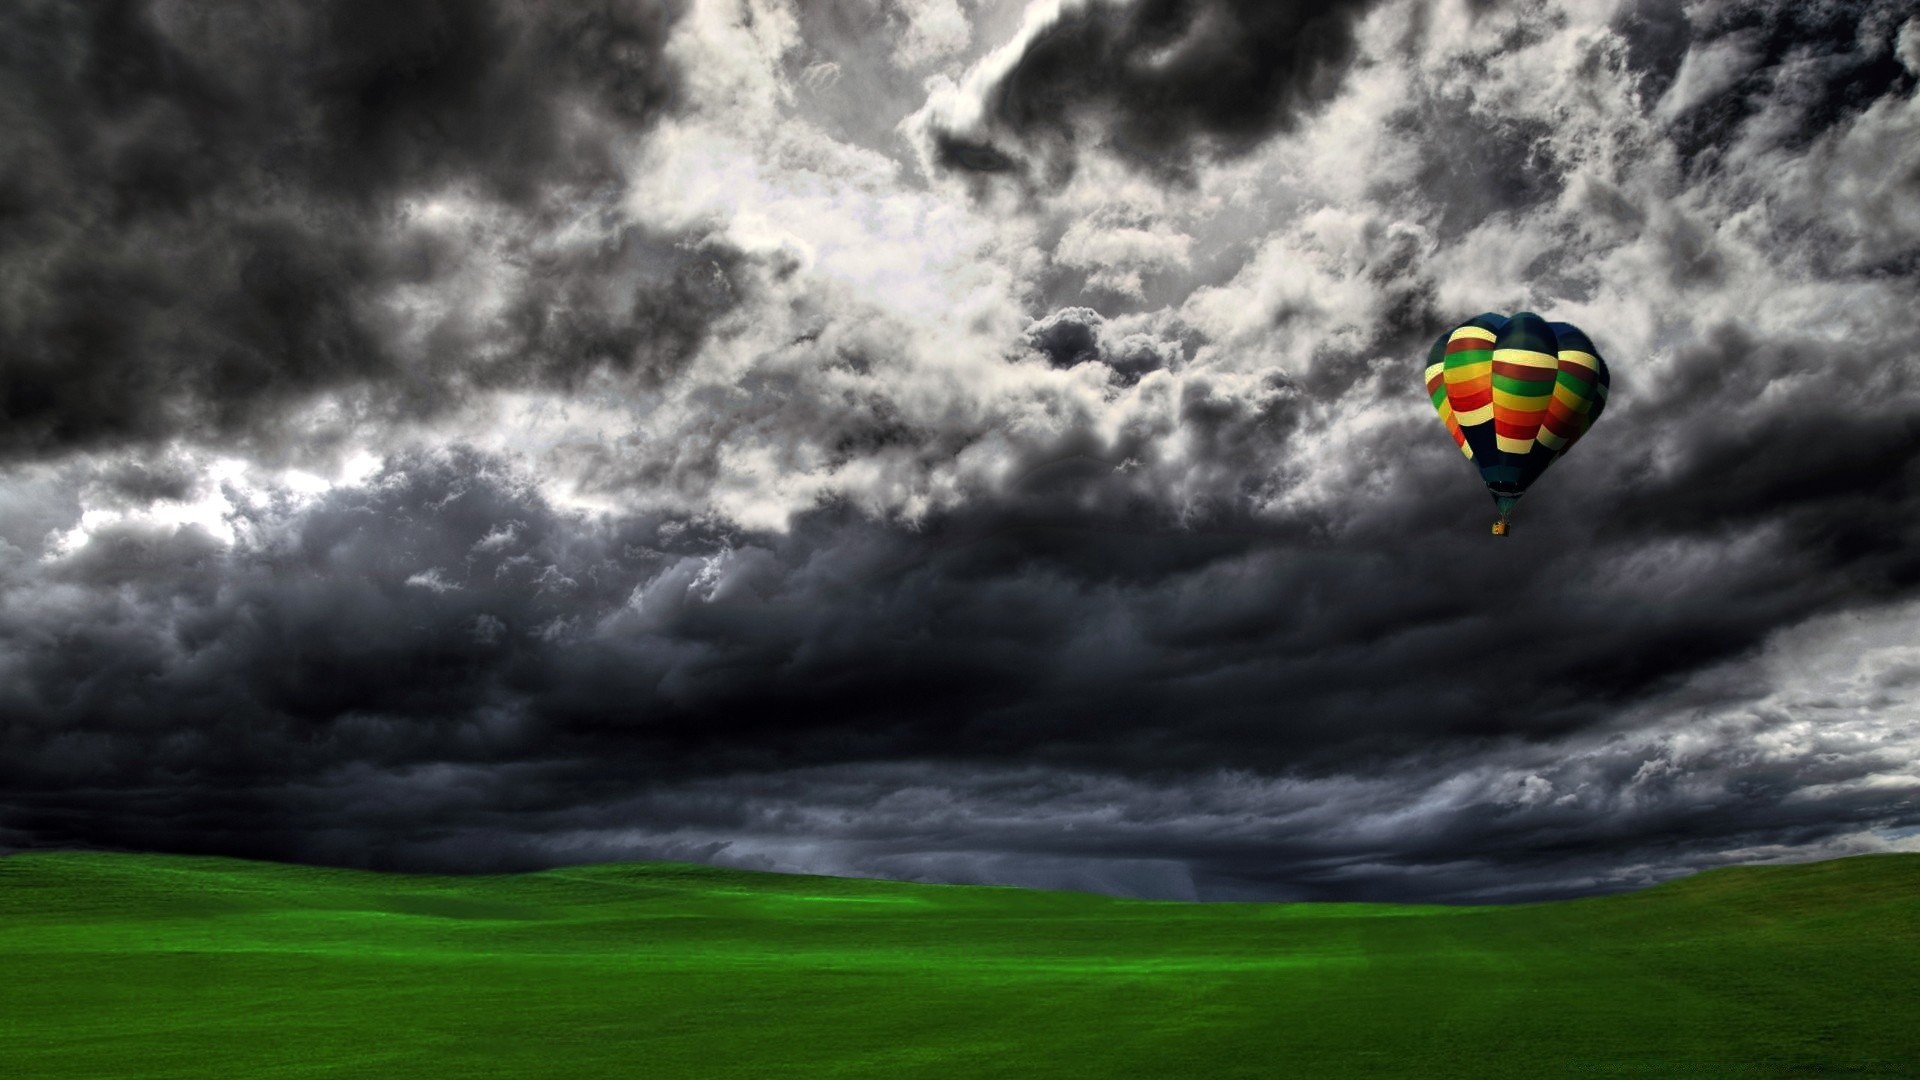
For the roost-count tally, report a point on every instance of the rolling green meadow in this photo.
(160, 966)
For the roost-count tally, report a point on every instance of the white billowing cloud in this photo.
(1707, 71)
(730, 51)
(881, 303)
(959, 106)
(432, 579)
(1865, 177)
(1116, 253)
(872, 350)
(211, 494)
(1305, 290)
(936, 30)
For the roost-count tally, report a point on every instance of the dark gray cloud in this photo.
(1159, 81)
(592, 680)
(1509, 167)
(205, 217)
(1079, 335)
(1715, 70)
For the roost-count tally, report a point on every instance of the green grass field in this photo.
(139, 966)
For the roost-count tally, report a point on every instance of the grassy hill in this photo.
(146, 966)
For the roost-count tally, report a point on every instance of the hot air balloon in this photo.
(1515, 394)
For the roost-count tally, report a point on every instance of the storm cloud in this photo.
(210, 219)
(1157, 81)
(497, 436)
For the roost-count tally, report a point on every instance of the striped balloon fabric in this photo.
(1515, 394)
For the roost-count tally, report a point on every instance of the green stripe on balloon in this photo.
(1523, 387)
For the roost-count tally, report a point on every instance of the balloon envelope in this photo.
(1515, 393)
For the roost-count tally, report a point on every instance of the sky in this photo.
(956, 440)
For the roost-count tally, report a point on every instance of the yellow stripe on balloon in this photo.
(1475, 416)
(1513, 446)
(1585, 360)
(1548, 439)
(1569, 397)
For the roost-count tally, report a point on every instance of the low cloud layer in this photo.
(524, 434)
